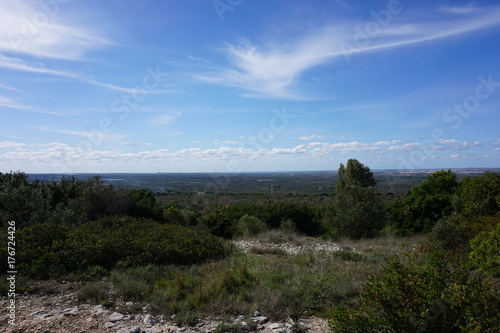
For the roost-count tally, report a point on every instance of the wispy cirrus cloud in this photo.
(37, 29)
(17, 64)
(82, 133)
(164, 119)
(5, 87)
(6, 102)
(277, 71)
(46, 30)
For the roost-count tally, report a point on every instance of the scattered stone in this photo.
(260, 319)
(39, 312)
(48, 316)
(115, 316)
(148, 320)
(274, 326)
(172, 329)
(278, 328)
(99, 310)
(155, 329)
(71, 311)
(109, 324)
(135, 329)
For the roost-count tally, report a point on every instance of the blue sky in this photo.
(240, 85)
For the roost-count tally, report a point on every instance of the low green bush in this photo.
(136, 242)
(436, 296)
(92, 249)
(35, 253)
(249, 225)
(95, 292)
(485, 252)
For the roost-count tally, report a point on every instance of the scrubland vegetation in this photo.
(425, 262)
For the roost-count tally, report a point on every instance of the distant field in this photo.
(279, 183)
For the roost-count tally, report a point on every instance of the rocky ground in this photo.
(289, 248)
(55, 308)
(59, 311)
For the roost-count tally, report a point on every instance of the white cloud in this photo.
(37, 29)
(275, 70)
(406, 146)
(128, 144)
(310, 137)
(495, 143)
(10, 144)
(165, 119)
(387, 143)
(343, 146)
(39, 68)
(3, 86)
(52, 144)
(77, 159)
(468, 9)
(12, 104)
(93, 135)
(453, 144)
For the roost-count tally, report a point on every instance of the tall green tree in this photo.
(357, 209)
(358, 212)
(354, 174)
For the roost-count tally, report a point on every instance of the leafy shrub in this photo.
(35, 249)
(433, 297)
(478, 194)
(486, 251)
(250, 225)
(142, 203)
(96, 292)
(302, 216)
(135, 283)
(172, 214)
(22, 201)
(219, 225)
(287, 226)
(135, 242)
(426, 204)
(449, 233)
(51, 250)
